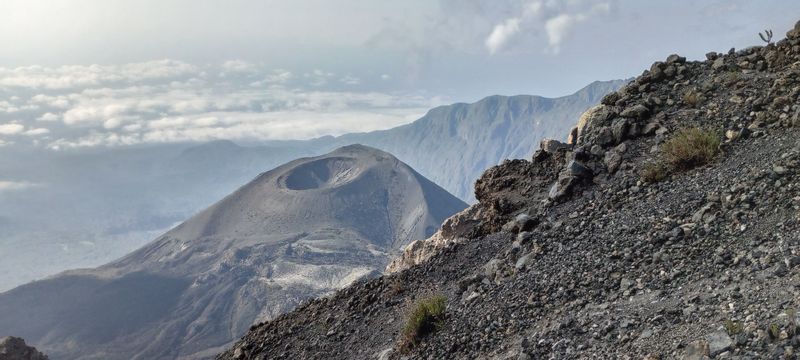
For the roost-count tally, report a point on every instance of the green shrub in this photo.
(733, 327)
(424, 318)
(686, 149)
(654, 172)
(690, 148)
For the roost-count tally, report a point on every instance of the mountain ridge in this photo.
(175, 181)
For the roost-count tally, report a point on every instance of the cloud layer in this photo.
(172, 101)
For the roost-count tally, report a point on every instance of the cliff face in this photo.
(665, 229)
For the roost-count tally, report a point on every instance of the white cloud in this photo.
(501, 34)
(350, 80)
(112, 123)
(80, 76)
(114, 108)
(6, 185)
(556, 19)
(48, 116)
(238, 66)
(11, 129)
(37, 132)
(558, 29)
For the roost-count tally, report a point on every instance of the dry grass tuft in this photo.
(690, 148)
(687, 149)
(424, 318)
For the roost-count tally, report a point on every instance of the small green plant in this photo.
(424, 318)
(654, 172)
(774, 331)
(692, 98)
(689, 148)
(686, 149)
(733, 327)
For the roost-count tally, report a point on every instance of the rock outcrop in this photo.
(14, 348)
(575, 255)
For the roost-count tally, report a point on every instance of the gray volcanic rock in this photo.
(301, 230)
(14, 348)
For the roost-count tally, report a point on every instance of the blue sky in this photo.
(111, 72)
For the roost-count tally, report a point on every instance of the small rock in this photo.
(552, 146)
(612, 160)
(637, 111)
(524, 261)
(578, 170)
(718, 342)
(718, 64)
(696, 350)
(385, 354)
(675, 59)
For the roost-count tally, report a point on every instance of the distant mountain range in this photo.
(85, 208)
(301, 230)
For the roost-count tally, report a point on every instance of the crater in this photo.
(322, 174)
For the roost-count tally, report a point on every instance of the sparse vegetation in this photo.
(733, 327)
(654, 172)
(687, 149)
(424, 317)
(774, 331)
(766, 36)
(690, 148)
(692, 98)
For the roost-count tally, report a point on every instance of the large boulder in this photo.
(14, 348)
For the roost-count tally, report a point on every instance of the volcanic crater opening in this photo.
(322, 174)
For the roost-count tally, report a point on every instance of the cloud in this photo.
(6, 185)
(37, 132)
(556, 19)
(48, 116)
(501, 34)
(11, 129)
(238, 66)
(277, 76)
(81, 76)
(118, 108)
(350, 80)
(559, 27)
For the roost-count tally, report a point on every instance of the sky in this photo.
(87, 73)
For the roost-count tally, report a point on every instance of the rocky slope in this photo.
(571, 255)
(301, 230)
(13, 348)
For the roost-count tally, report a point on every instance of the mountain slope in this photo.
(637, 241)
(469, 138)
(87, 223)
(301, 230)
